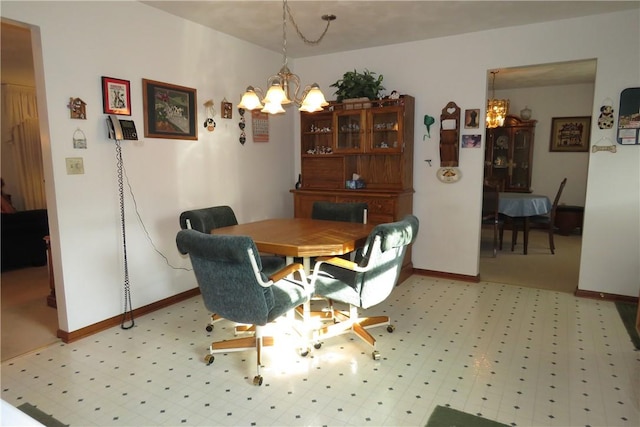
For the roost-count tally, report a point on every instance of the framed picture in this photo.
(116, 96)
(570, 134)
(169, 111)
(471, 118)
(471, 141)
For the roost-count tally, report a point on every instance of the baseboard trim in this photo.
(69, 337)
(604, 296)
(444, 275)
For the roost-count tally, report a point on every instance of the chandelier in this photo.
(497, 109)
(283, 88)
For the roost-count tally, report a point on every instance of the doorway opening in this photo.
(30, 318)
(544, 91)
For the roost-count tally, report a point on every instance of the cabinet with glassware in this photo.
(509, 155)
(372, 139)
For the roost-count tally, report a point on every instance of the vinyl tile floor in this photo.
(520, 356)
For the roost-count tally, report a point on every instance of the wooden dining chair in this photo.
(546, 221)
(491, 217)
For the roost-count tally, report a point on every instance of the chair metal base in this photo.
(350, 322)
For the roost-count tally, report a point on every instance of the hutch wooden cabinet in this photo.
(509, 154)
(372, 139)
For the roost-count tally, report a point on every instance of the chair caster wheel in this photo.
(209, 359)
(317, 345)
(209, 328)
(390, 328)
(304, 352)
(375, 355)
(257, 380)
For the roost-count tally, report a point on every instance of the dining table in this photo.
(302, 237)
(520, 207)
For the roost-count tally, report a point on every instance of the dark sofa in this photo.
(22, 239)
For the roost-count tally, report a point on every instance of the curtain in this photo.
(21, 131)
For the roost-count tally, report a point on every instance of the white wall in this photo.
(132, 42)
(549, 168)
(169, 176)
(454, 69)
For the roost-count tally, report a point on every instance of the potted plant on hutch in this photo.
(355, 86)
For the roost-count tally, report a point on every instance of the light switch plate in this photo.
(75, 166)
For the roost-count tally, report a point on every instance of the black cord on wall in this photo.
(128, 308)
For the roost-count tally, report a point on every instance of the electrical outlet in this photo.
(75, 166)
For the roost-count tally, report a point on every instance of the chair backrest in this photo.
(557, 198)
(346, 212)
(490, 202)
(228, 271)
(382, 258)
(206, 219)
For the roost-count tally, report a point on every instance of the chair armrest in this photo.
(286, 271)
(338, 262)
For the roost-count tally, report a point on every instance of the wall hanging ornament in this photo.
(449, 144)
(79, 139)
(606, 119)
(78, 108)
(227, 109)
(428, 121)
(209, 124)
(242, 125)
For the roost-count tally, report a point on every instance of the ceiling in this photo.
(363, 24)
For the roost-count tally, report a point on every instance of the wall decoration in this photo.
(450, 135)
(116, 96)
(471, 141)
(606, 119)
(428, 121)
(242, 125)
(227, 109)
(471, 118)
(629, 116)
(169, 111)
(79, 139)
(570, 134)
(449, 175)
(260, 125)
(77, 108)
(210, 124)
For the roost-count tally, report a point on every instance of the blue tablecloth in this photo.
(523, 204)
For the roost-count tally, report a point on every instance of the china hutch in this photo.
(509, 154)
(372, 139)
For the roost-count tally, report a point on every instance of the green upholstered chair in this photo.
(206, 219)
(233, 284)
(363, 283)
(347, 212)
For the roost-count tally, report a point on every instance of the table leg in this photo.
(306, 263)
(526, 234)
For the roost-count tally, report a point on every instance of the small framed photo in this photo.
(471, 118)
(227, 109)
(471, 141)
(169, 111)
(570, 134)
(116, 96)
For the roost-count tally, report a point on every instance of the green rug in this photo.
(443, 416)
(40, 416)
(628, 312)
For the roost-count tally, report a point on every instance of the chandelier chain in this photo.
(306, 40)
